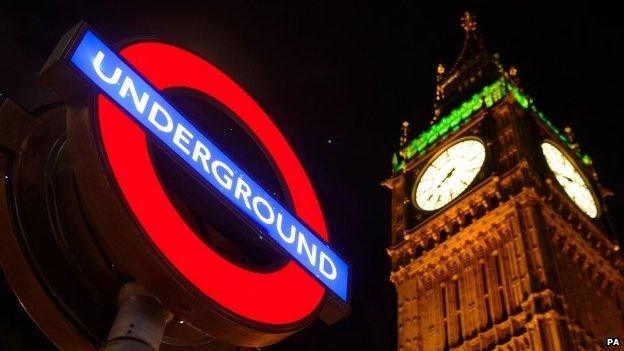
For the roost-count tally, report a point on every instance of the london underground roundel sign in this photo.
(129, 106)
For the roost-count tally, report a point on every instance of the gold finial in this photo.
(469, 22)
(439, 91)
(404, 133)
(569, 134)
(440, 68)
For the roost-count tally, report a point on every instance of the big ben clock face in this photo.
(570, 179)
(449, 174)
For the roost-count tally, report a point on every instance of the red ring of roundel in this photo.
(284, 296)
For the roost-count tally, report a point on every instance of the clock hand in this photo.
(575, 195)
(447, 177)
(566, 177)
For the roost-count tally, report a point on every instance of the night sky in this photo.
(338, 80)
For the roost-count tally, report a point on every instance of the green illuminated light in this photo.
(451, 122)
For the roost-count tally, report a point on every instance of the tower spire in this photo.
(469, 22)
(472, 68)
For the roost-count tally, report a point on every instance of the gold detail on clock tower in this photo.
(512, 258)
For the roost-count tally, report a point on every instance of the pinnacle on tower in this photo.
(469, 22)
(473, 68)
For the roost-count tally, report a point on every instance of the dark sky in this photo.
(349, 73)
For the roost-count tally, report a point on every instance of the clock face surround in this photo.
(570, 178)
(449, 173)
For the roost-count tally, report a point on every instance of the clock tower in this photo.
(499, 235)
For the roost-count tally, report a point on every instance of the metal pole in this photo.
(140, 321)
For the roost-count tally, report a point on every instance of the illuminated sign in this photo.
(139, 99)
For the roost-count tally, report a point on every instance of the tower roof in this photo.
(476, 79)
(472, 69)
